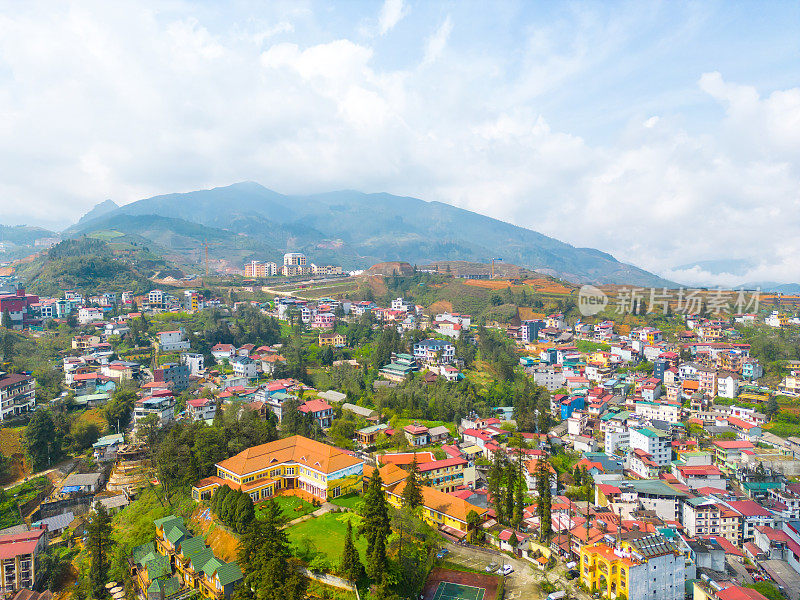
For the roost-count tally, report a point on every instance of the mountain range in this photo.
(246, 221)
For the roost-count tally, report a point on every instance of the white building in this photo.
(617, 437)
(195, 362)
(244, 366)
(669, 412)
(654, 442)
(727, 384)
(155, 298)
(89, 314)
(172, 341)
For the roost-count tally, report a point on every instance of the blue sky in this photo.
(663, 133)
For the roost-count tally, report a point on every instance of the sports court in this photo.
(458, 591)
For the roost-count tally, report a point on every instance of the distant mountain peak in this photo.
(106, 206)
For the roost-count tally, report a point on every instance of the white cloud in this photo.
(115, 100)
(437, 42)
(392, 12)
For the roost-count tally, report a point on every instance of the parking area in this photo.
(524, 583)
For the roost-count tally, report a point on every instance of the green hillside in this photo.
(90, 266)
(357, 230)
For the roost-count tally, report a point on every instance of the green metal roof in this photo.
(199, 560)
(229, 573)
(159, 566)
(139, 553)
(212, 565)
(652, 432)
(163, 520)
(191, 546)
(175, 532)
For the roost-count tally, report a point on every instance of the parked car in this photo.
(442, 553)
(506, 570)
(491, 567)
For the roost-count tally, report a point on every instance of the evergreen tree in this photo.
(544, 503)
(377, 561)
(351, 566)
(7, 319)
(245, 513)
(8, 346)
(508, 491)
(99, 545)
(376, 525)
(494, 484)
(412, 492)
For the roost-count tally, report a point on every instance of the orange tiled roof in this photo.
(304, 451)
(439, 501)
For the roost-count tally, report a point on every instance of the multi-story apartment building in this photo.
(294, 465)
(17, 394)
(201, 409)
(660, 411)
(155, 298)
(709, 516)
(656, 443)
(645, 567)
(196, 362)
(434, 352)
(448, 474)
(19, 560)
(728, 454)
(707, 381)
(161, 406)
(294, 263)
(727, 384)
(174, 375)
(258, 269)
(172, 341)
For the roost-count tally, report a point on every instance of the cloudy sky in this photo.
(664, 133)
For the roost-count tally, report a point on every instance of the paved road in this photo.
(27, 477)
(524, 582)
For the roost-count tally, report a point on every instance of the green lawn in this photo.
(324, 537)
(292, 507)
(350, 501)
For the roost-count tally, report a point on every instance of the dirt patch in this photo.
(479, 580)
(440, 307)
(224, 543)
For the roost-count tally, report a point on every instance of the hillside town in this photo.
(553, 455)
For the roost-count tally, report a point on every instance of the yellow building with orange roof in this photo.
(445, 511)
(295, 466)
(643, 567)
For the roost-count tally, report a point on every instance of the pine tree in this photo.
(351, 566)
(376, 560)
(495, 485)
(99, 544)
(376, 526)
(508, 492)
(6, 319)
(412, 492)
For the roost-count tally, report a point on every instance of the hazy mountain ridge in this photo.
(357, 229)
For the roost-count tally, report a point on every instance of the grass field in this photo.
(105, 234)
(325, 536)
(350, 501)
(292, 507)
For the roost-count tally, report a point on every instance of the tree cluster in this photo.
(234, 508)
